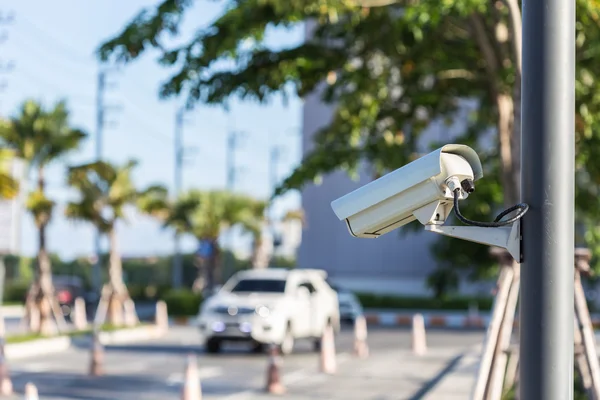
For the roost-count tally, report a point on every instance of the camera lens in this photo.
(468, 185)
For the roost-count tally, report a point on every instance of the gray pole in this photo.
(231, 169)
(273, 163)
(548, 170)
(177, 262)
(96, 272)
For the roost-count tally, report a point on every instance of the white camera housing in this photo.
(422, 190)
(418, 190)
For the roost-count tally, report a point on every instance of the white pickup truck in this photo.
(269, 306)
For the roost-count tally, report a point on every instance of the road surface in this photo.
(153, 370)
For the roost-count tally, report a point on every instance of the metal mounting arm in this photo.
(507, 237)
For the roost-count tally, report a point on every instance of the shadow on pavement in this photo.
(108, 387)
(429, 385)
(118, 387)
(233, 351)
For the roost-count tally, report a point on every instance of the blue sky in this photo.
(52, 45)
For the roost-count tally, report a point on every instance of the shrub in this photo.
(16, 291)
(182, 302)
(369, 300)
(147, 292)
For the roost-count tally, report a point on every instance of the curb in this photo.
(37, 347)
(131, 335)
(13, 311)
(58, 344)
(438, 320)
(182, 321)
(404, 319)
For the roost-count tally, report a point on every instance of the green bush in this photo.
(369, 300)
(147, 292)
(15, 292)
(182, 302)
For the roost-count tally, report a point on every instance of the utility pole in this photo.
(177, 277)
(101, 111)
(232, 145)
(275, 154)
(232, 169)
(273, 163)
(548, 175)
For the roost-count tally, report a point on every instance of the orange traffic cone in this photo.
(6, 387)
(191, 386)
(419, 343)
(79, 314)
(274, 385)
(328, 364)
(161, 316)
(361, 349)
(97, 354)
(130, 315)
(31, 392)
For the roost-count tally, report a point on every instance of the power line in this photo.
(78, 97)
(70, 69)
(72, 53)
(143, 121)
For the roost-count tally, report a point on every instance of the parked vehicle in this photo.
(67, 289)
(270, 306)
(349, 305)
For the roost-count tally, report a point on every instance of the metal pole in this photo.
(177, 262)
(548, 152)
(231, 169)
(96, 272)
(274, 162)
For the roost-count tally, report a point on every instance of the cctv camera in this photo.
(427, 190)
(423, 190)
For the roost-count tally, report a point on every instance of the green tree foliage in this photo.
(391, 71)
(40, 136)
(9, 186)
(205, 215)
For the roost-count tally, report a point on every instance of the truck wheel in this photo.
(258, 347)
(317, 345)
(213, 346)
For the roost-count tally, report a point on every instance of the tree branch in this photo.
(516, 25)
(487, 49)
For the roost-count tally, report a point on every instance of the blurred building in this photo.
(394, 263)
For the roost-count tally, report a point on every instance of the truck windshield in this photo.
(259, 285)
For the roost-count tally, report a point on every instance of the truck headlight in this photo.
(218, 326)
(263, 311)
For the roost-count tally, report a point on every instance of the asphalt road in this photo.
(153, 370)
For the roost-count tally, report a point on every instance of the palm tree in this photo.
(41, 136)
(203, 214)
(254, 221)
(104, 192)
(9, 187)
(256, 226)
